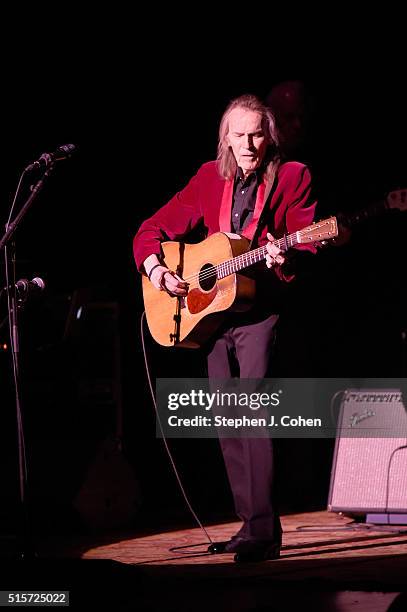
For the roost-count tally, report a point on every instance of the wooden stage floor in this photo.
(328, 562)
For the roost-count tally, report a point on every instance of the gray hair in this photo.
(226, 160)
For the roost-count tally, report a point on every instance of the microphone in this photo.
(27, 287)
(62, 152)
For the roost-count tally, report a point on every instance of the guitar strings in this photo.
(213, 271)
(240, 259)
(287, 242)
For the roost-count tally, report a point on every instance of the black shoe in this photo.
(247, 550)
(217, 548)
(257, 551)
(227, 546)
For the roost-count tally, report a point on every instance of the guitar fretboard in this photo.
(231, 266)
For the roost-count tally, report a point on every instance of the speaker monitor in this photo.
(369, 474)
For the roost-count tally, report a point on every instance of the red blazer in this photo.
(208, 198)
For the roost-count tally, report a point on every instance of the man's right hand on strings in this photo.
(164, 279)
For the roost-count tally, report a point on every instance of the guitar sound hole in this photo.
(207, 277)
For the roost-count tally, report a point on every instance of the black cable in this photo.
(388, 480)
(332, 406)
(172, 462)
(349, 527)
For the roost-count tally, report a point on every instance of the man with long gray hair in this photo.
(248, 191)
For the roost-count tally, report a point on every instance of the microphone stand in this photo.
(12, 226)
(26, 540)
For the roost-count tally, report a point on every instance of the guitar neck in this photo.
(251, 257)
(375, 209)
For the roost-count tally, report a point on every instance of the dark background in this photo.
(144, 118)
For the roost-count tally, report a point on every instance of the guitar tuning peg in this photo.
(324, 243)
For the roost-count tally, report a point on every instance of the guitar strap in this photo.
(268, 194)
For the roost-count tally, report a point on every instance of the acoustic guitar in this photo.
(215, 286)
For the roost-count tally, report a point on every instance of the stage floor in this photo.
(328, 562)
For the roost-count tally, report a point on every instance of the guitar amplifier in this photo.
(369, 474)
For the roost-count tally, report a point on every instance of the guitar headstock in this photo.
(322, 230)
(397, 199)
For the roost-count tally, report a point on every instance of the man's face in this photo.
(247, 139)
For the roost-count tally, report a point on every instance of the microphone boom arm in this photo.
(12, 226)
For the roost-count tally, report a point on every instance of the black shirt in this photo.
(268, 286)
(244, 199)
